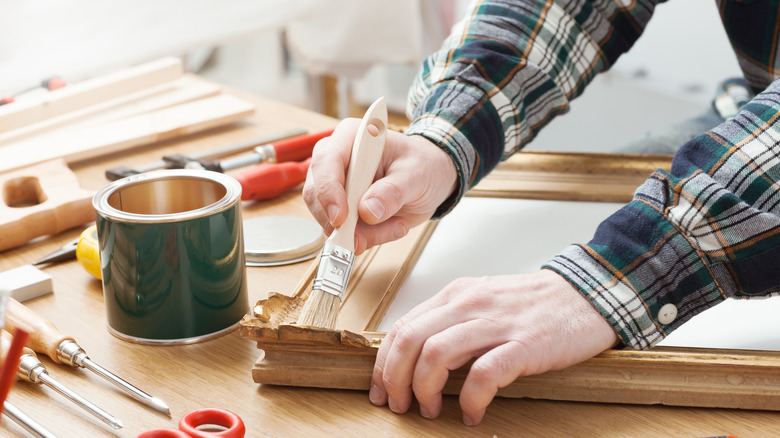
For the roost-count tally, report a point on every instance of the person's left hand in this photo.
(515, 325)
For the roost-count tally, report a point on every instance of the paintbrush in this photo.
(338, 253)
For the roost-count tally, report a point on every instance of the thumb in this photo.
(381, 201)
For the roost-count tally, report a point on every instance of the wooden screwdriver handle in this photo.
(44, 336)
(366, 154)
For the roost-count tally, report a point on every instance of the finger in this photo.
(378, 394)
(327, 171)
(495, 369)
(315, 208)
(448, 350)
(405, 348)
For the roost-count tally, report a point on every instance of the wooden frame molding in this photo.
(315, 357)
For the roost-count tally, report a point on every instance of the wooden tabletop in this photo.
(217, 373)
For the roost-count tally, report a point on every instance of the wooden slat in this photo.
(178, 91)
(87, 93)
(142, 129)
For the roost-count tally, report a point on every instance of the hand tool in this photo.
(195, 424)
(84, 248)
(123, 171)
(269, 180)
(32, 370)
(293, 149)
(46, 339)
(26, 422)
(338, 252)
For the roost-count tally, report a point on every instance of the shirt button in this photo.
(667, 314)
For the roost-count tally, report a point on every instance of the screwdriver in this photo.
(25, 421)
(32, 370)
(46, 339)
(268, 180)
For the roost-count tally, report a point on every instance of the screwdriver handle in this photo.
(268, 180)
(44, 336)
(298, 148)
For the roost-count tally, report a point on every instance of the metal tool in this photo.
(32, 370)
(195, 424)
(25, 421)
(84, 249)
(123, 171)
(290, 150)
(46, 339)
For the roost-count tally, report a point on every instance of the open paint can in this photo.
(172, 256)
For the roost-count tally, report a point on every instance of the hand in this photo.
(414, 178)
(515, 325)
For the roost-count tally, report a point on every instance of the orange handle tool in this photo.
(266, 181)
(298, 148)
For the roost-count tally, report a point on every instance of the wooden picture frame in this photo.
(316, 357)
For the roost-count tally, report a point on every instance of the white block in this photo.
(26, 282)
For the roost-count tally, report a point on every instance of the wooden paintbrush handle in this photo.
(363, 163)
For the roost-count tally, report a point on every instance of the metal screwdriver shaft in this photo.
(25, 421)
(70, 353)
(46, 339)
(32, 370)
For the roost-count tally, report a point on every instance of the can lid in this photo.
(280, 240)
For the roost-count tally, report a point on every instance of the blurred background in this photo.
(337, 56)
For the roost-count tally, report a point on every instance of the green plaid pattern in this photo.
(691, 237)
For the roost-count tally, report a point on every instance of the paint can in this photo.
(172, 256)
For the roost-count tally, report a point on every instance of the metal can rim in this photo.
(231, 197)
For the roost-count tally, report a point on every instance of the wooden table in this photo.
(216, 373)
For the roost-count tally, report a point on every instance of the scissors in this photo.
(189, 424)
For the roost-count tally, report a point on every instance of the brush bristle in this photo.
(320, 310)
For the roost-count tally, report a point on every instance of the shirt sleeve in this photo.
(508, 68)
(708, 230)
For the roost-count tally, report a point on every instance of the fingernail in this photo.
(467, 421)
(374, 395)
(424, 412)
(376, 208)
(399, 231)
(333, 211)
(391, 404)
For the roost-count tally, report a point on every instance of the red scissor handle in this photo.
(234, 426)
(188, 426)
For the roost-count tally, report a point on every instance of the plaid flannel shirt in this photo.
(707, 230)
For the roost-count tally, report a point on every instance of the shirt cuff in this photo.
(457, 117)
(641, 273)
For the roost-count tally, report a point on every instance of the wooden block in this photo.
(89, 92)
(107, 138)
(41, 200)
(168, 94)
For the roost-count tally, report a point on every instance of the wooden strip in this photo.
(89, 92)
(103, 139)
(178, 91)
(570, 176)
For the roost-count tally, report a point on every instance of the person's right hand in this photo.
(414, 178)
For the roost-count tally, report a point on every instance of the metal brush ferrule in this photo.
(334, 269)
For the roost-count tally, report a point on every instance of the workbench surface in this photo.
(217, 373)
